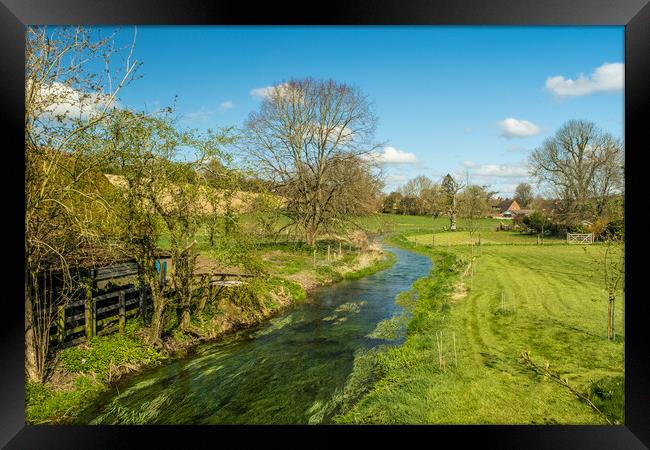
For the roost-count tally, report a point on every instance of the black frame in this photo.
(633, 14)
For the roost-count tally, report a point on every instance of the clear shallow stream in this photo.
(283, 371)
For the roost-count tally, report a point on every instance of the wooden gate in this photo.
(580, 238)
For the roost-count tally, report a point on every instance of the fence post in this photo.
(89, 313)
(122, 312)
(60, 324)
(94, 314)
(143, 302)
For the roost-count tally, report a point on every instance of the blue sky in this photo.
(443, 94)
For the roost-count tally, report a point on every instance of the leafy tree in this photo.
(65, 101)
(165, 191)
(537, 221)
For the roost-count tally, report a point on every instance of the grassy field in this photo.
(488, 237)
(419, 224)
(548, 300)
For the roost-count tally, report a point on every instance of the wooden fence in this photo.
(580, 238)
(95, 314)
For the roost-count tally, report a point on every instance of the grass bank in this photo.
(79, 374)
(461, 362)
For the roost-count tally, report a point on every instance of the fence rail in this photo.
(95, 315)
(580, 238)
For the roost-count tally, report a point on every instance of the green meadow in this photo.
(461, 362)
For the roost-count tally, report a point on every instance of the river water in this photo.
(284, 371)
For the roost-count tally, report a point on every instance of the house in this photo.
(505, 209)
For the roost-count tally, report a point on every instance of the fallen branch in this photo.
(525, 355)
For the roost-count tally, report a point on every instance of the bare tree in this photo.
(582, 166)
(524, 194)
(301, 138)
(613, 265)
(65, 100)
(450, 189)
(415, 189)
(474, 203)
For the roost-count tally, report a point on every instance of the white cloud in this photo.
(606, 78)
(267, 91)
(60, 100)
(391, 155)
(514, 128)
(467, 130)
(226, 105)
(501, 170)
(502, 178)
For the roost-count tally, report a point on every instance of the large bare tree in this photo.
(302, 138)
(583, 167)
(72, 79)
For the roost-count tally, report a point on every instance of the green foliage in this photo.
(608, 394)
(97, 356)
(44, 404)
(537, 221)
(615, 229)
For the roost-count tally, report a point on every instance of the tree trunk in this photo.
(31, 352)
(310, 236)
(207, 294)
(157, 316)
(185, 314)
(610, 317)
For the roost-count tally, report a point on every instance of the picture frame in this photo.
(633, 14)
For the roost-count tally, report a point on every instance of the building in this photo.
(506, 209)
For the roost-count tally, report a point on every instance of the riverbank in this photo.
(79, 374)
(475, 332)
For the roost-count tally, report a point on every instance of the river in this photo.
(284, 371)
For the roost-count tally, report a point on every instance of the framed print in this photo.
(365, 217)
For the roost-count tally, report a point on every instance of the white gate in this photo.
(580, 238)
